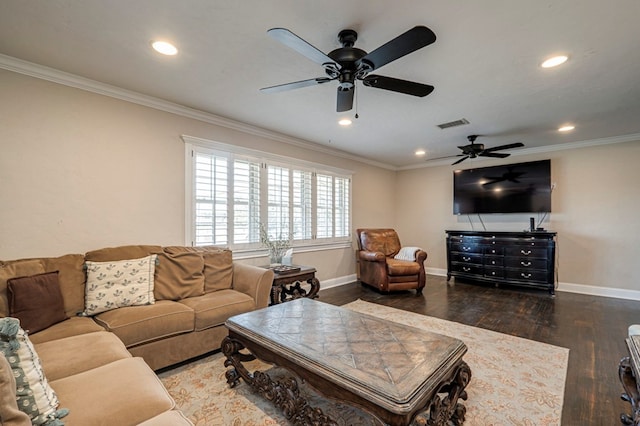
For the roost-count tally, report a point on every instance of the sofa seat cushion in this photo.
(135, 325)
(69, 327)
(124, 392)
(215, 308)
(402, 267)
(72, 355)
(168, 418)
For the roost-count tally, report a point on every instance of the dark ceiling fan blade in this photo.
(397, 85)
(501, 147)
(345, 99)
(460, 160)
(494, 154)
(410, 41)
(295, 85)
(294, 42)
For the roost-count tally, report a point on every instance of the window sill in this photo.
(253, 253)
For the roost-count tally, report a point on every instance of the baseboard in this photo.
(336, 282)
(618, 293)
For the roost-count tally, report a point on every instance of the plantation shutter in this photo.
(302, 195)
(278, 202)
(211, 199)
(246, 201)
(324, 206)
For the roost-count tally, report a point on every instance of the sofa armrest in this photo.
(254, 281)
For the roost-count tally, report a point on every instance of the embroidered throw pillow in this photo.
(33, 393)
(112, 285)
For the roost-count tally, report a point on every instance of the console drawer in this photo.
(492, 272)
(466, 248)
(497, 250)
(467, 268)
(526, 252)
(493, 261)
(526, 263)
(467, 258)
(529, 275)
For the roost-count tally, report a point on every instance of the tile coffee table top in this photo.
(368, 355)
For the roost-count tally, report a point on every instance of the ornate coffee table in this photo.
(391, 370)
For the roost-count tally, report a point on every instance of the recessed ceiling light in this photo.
(554, 61)
(164, 47)
(566, 128)
(344, 122)
(420, 152)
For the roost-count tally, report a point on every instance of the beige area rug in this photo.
(514, 381)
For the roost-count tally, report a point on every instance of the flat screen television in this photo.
(512, 188)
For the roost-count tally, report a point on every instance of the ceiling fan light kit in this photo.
(348, 64)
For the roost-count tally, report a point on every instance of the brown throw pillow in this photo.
(36, 301)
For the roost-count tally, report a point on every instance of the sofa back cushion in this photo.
(218, 265)
(36, 300)
(179, 276)
(122, 253)
(14, 269)
(71, 276)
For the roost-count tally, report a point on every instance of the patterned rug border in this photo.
(511, 385)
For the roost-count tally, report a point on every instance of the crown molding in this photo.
(67, 79)
(539, 149)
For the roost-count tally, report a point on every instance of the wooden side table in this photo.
(287, 283)
(628, 371)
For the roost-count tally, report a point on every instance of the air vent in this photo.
(455, 123)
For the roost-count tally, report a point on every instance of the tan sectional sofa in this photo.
(101, 366)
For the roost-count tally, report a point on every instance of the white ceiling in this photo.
(484, 65)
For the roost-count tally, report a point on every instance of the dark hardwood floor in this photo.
(593, 328)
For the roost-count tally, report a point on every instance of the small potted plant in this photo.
(276, 246)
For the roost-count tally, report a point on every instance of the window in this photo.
(232, 192)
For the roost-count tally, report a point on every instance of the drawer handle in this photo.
(526, 253)
(466, 248)
(493, 273)
(523, 275)
(466, 259)
(493, 251)
(525, 263)
(493, 262)
(464, 268)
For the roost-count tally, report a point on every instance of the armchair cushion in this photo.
(402, 267)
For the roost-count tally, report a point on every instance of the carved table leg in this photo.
(631, 395)
(276, 294)
(285, 393)
(447, 410)
(315, 287)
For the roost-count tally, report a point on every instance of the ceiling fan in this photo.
(348, 64)
(474, 150)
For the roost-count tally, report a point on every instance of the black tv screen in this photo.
(512, 188)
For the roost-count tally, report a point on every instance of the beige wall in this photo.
(80, 171)
(595, 206)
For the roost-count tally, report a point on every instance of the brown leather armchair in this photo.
(377, 266)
